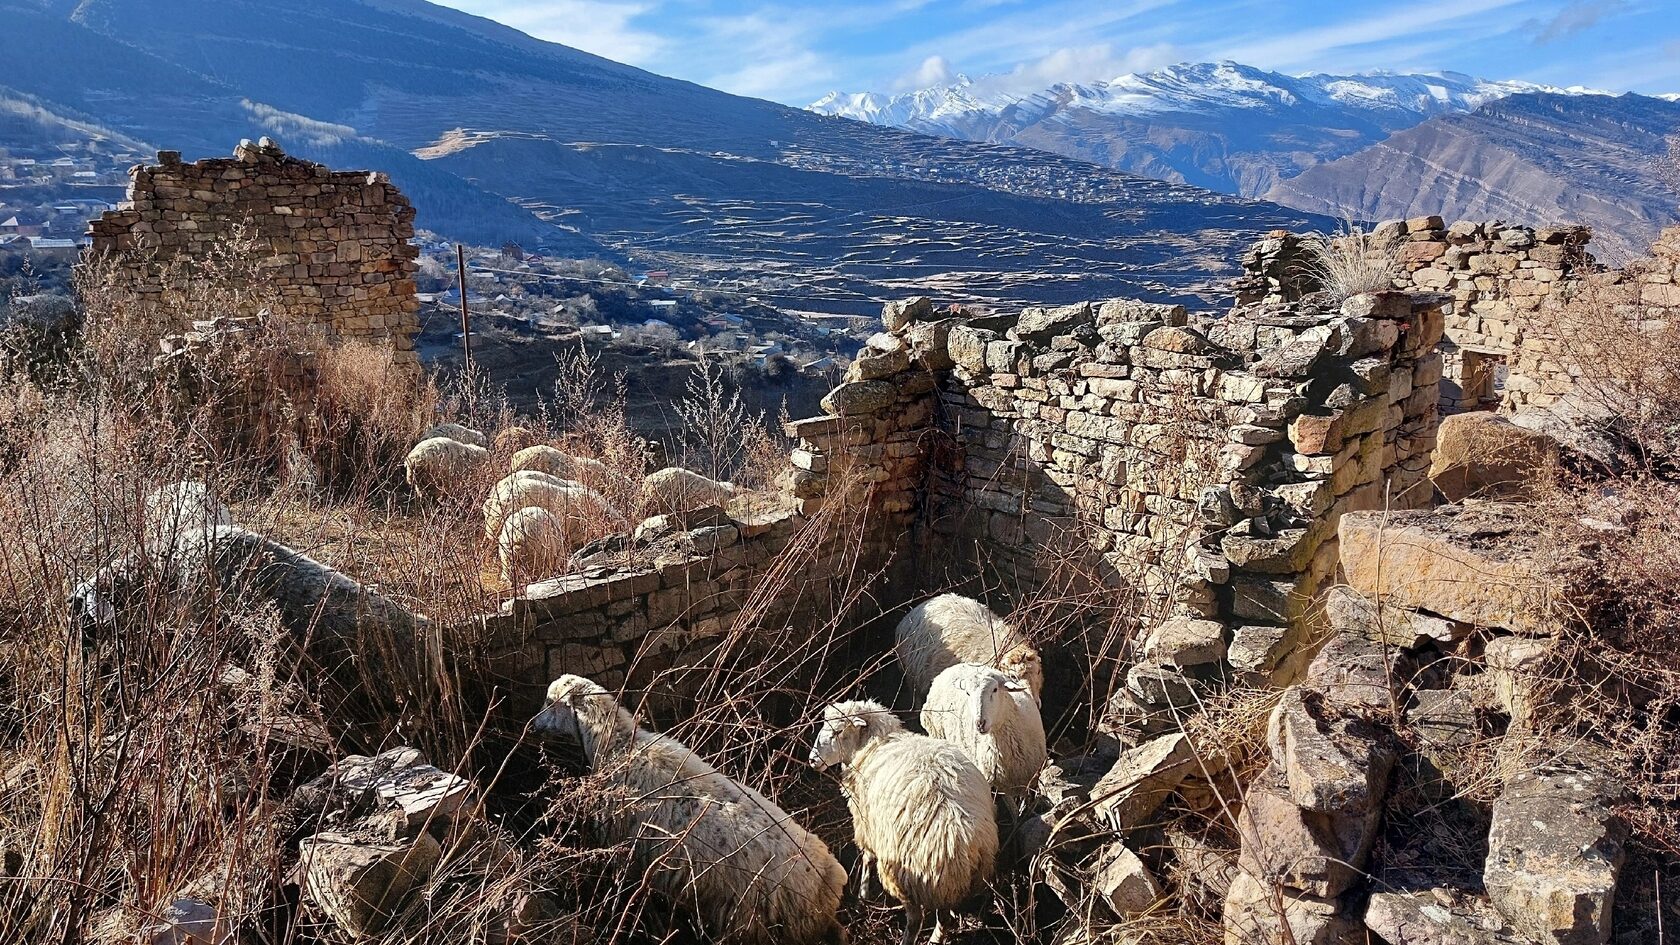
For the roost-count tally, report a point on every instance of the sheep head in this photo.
(993, 695)
(566, 696)
(846, 728)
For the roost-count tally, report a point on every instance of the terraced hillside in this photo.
(598, 156)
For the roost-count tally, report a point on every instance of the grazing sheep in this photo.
(675, 489)
(455, 431)
(513, 439)
(437, 467)
(532, 546)
(750, 873)
(922, 813)
(179, 518)
(952, 629)
(993, 718)
(591, 472)
(577, 506)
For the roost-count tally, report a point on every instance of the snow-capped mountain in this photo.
(1222, 125)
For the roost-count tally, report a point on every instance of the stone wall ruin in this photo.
(332, 247)
(1501, 282)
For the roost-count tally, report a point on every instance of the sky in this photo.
(794, 51)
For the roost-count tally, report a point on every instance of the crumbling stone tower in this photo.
(333, 246)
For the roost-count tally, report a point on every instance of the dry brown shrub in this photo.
(1353, 261)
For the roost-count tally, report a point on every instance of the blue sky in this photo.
(794, 51)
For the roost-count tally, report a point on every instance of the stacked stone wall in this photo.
(787, 572)
(1499, 278)
(331, 247)
(1199, 463)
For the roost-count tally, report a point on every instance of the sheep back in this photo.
(532, 545)
(950, 629)
(437, 466)
(675, 489)
(753, 874)
(576, 506)
(924, 812)
(455, 431)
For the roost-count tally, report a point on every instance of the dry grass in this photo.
(1353, 261)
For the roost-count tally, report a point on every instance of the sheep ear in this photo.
(1016, 685)
(859, 721)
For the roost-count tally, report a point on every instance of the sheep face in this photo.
(846, 726)
(992, 698)
(837, 741)
(559, 719)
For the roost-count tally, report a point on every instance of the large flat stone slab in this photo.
(1477, 563)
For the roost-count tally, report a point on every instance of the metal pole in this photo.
(466, 324)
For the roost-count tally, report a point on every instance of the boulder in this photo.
(1122, 883)
(1477, 564)
(860, 398)
(1554, 853)
(1186, 643)
(1357, 673)
(966, 346)
(1142, 780)
(1517, 673)
(1353, 612)
(360, 883)
(1309, 852)
(1333, 763)
(191, 921)
(1434, 917)
(896, 315)
(1259, 913)
(1484, 455)
(1042, 324)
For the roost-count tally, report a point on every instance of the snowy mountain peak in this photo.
(1223, 125)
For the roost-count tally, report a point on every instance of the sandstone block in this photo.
(1484, 455)
(1554, 853)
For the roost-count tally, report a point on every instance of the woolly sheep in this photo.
(591, 472)
(951, 629)
(455, 431)
(577, 506)
(436, 467)
(532, 546)
(675, 489)
(993, 718)
(922, 813)
(752, 874)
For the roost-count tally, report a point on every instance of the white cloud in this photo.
(934, 71)
(1578, 15)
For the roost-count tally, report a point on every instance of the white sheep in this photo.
(922, 813)
(591, 472)
(577, 506)
(752, 874)
(455, 431)
(951, 629)
(675, 489)
(993, 718)
(436, 467)
(532, 546)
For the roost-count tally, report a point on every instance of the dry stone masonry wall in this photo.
(1503, 283)
(332, 246)
(1202, 462)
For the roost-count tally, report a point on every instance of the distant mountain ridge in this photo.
(1224, 126)
(1538, 157)
(493, 132)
